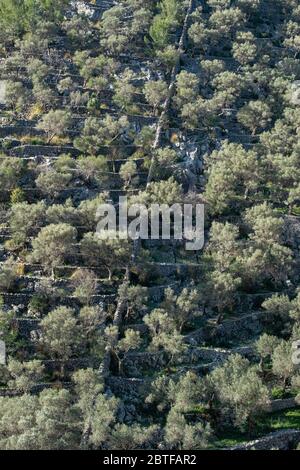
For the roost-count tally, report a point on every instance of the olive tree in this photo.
(93, 169)
(125, 91)
(53, 245)
(232, 177)
(52, 182)
(127, 172)
(119, 348)
(110, 251)
(183, 307)
(24, 374)
(187, 88)
(256, 115)
(8, 274)
(39, 422)
(238, 392)
(156, 93)
(97, 410)
(164, 334)
(102, 132)
(11, 169)
(85, 284)
(136, 298)
(63, 213)
(134, 436)
(278, 308)
(182, 435)
(282, 365)
(55, 123)
(92, 322)
(17, 97)
(265, 346)
(244, 50)
(266, 258)
(60, 334)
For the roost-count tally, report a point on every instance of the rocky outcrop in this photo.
(283, 404)
(199, 360)
(129, 389)
(281, 440)
(27, 326)
(292, 231)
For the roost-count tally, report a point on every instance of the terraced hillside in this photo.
(114, 344)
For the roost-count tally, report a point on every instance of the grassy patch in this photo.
(280, 420)
(288, 419)
(230, 439)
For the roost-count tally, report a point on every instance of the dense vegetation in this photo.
(120, 345)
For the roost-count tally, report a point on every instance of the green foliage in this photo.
(10, 171)
(238, 391)
(51, 182)
(282, 364)
(136, 298)
(97, 411)
(164, 22)
(183, 307)
(109, 251)
(9, 330)
(97, 134)
(229, 137)
(164, 333)
(233, 175)
(55, 123)
(53, 245)
(60, 333)
(125, 437)
(48, 421)
(17, 195)
(162, 192)
(25, 220)
(24, 375)
(85, 284)
(19, 16)
(8, 274)
(186, 436)
(278, 393)
(255, 115)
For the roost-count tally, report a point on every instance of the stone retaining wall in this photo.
(238, 329)
(19, 131)
(45, 150)
(281, 440)
(130, 390)
(283, 404)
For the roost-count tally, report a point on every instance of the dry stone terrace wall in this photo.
(131, 389)
(6, 131)
(283, 404)
(209, 342)
(198, 359)
(37, 150)
(243, 328)
(281, 440)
